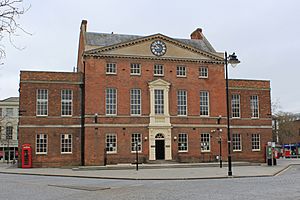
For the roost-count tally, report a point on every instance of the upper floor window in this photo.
(66, 102)
(204, 103)
(205, 142)
(41, 143)
(181, 71)
(255, 142)
(9, 132)
(235, 105)
(181, 102)
(111, 68)
(236, 142)
(135, 102)
(135, 69)
(111, 101)
(42, 102)
(159, 102)
(66, 143)
(9, 112)
(254, 106)
(111, 143)
(158, 70)
(182, 142)
(136, 142)
(203, 72)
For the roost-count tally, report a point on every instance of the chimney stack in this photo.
(197, 34)
(83, 25)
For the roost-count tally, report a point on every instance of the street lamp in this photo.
(231, 59)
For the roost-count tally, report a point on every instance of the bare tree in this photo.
(10, 12)
(287, 129)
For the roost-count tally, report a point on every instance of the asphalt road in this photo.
(27, 187)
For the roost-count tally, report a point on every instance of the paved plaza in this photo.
(283, 185)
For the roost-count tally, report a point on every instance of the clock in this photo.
(158, 48)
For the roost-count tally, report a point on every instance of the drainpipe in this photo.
(82, 138)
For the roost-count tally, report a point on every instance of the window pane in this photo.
(136, 142)
(66, 102)
(205, 142)
(42, 102)
(181, 102)
(135, 101)
(111, 101)
(204, 103)
(235, 105)
(182, 142)
(159, 102)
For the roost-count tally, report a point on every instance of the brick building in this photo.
(163, 96)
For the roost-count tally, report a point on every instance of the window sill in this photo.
(66, 153)
(133, 152)
(255, 150)
(205, 151)
(182, 151)
(236, 150)
(111, 152)
(160, 75)
(203, 77)
(111, 73)
(181, 76)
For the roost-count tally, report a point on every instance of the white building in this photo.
(9, 109)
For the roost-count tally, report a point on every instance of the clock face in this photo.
(158, 48)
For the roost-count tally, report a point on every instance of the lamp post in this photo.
(231, 59)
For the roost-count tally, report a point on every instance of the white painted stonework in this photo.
(160, 124)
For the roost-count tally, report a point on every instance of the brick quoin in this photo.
(92, 80)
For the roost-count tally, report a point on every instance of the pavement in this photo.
(174, 171)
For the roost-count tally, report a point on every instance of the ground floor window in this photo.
(205, 142)
(236, 142)
(66, 143)
(111, 143)
(41, 143)
(182, 142)
(255, 142)
(136, 142)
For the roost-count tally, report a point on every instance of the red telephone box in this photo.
(26, 156)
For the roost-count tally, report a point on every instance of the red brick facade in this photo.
(89, 138)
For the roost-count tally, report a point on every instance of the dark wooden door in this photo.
(160, 149)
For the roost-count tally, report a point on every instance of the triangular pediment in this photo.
(141, 48)
(159, 83)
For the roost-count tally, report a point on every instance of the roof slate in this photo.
(105, 39)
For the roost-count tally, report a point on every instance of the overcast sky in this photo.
(265, 34)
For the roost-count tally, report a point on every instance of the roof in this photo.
(105, 39)
(10, 99)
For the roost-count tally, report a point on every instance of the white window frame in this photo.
(135, 102)
(40, 142)
(135, 69)
(181, 102)
(254, 105)
(236, 142)
(111, 68)
(41, 101)
(159, 107)
(66, 143)
(236, 106)
(183, 144)
(66, 103)
(255, 142)
(111, 101)
(181, 71)
(204, 103)
(110, 145)
(205, 143)
(203, 72)
(158, 70)
(135, 136)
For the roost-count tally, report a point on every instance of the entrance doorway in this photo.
(159, 147)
